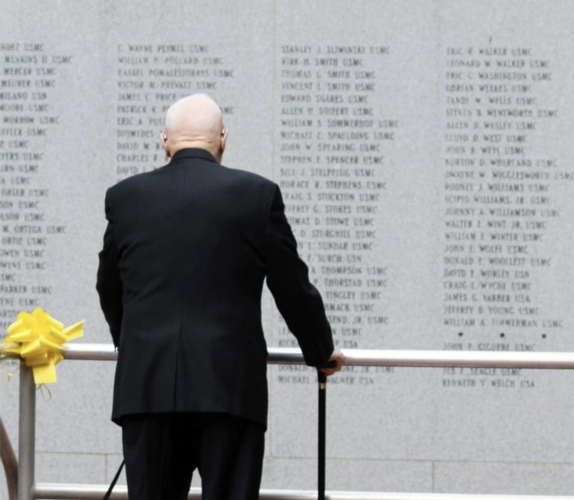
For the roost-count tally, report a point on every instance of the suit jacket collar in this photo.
(193, 153)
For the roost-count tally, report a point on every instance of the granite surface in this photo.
(424, 152)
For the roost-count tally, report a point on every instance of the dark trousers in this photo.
(162, 450)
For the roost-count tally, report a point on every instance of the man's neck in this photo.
(196, 144)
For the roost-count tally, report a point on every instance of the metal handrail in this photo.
(9, 462)
(28, 490)
(372, 357)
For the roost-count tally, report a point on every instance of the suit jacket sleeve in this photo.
(109, 285)
(298, 301)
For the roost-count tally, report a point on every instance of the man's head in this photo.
(194, 122)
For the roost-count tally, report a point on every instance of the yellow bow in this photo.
(39, 339)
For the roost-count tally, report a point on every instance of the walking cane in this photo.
(322, 427)
(114, 481)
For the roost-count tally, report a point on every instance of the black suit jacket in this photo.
(186, 251)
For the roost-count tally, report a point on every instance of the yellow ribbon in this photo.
(39, 340)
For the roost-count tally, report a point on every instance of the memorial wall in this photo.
(424, 151)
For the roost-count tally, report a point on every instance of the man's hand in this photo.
(339, 358)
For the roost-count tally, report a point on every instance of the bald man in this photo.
(186, 252)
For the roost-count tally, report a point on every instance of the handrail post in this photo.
(27, 433)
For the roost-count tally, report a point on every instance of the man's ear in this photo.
(163, 140)
(224, 135)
